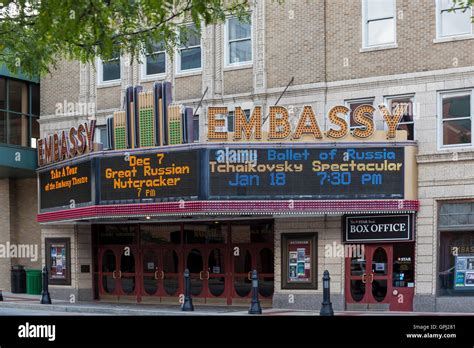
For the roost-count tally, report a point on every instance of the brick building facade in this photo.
(323, 47)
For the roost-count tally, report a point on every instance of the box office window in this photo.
(299, 256)
(58, 260)
(456, 250)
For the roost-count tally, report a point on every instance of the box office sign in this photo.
(377, 228)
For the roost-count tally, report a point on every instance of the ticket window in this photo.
(403, 265)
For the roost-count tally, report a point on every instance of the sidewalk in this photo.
(32, 302)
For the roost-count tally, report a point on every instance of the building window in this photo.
(452, 19)
(101, 136)
(231, 119)
(19, 112)
(407, 122)
(238, 42)
(455, 110)
(352, 105)
(379, 25)
(196, 128)
(189, 53)
(456, 249)
(154, 61)
(109, 71)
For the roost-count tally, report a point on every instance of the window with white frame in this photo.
(189, 53)
(379, 25)
(407, 122)
(109, 71)
(154, 61)
(455, 118)
(231, 119)
(101, 136)
(238, 42)
(453, 19)
(352, 105)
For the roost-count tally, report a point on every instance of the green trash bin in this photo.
(33, 282)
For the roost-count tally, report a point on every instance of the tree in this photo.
(35, 35)
(464, 4)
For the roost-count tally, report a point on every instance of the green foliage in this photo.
(35, 35)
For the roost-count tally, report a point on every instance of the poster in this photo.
(299, 261)
(58, 261)
(464, 272)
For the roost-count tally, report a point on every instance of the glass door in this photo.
(171, 274)
(369, 278)
(380, 276)
(194, 261)
(216, 281)
(108, 266)
(127, 274)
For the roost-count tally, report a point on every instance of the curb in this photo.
(102, 310)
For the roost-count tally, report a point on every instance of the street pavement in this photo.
(29, 305)
(32, 312)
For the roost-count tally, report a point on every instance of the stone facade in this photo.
(18, 226)
(328, 229)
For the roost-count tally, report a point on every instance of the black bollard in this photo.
(255, 305)
(1, 295)
(326, 306)
(45, 298)
(187, 305)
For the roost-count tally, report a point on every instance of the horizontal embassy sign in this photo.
(377, 228)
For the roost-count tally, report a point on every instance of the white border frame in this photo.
(177, 59)
(365, 44)
(248, 63)
(412, 96)
(439, 116)
(438, 25)
(100, 82)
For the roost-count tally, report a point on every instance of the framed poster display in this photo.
(299, 256)
(58, 260)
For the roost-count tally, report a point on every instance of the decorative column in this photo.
(258, 29)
